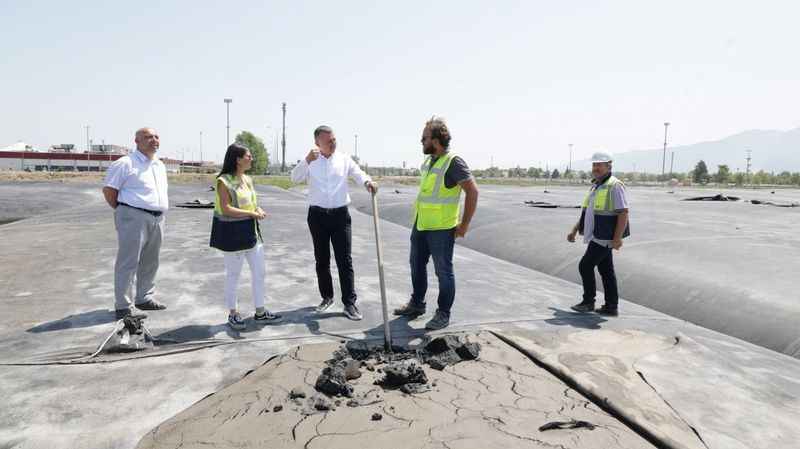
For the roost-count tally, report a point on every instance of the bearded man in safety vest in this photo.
(603, 224)
(437, 222)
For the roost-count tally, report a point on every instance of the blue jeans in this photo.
(438, 244)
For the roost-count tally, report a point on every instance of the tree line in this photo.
(700, 174)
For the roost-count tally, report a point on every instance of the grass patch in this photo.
(284, 182)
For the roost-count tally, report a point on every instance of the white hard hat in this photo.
(601, 157)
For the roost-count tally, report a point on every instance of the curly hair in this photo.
(439, 131)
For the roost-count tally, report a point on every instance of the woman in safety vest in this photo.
(235, 230)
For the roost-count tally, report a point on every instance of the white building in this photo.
(60, 161)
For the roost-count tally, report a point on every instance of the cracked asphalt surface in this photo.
(499, 400)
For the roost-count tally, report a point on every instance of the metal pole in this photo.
(570, 158)
(387, 333)
(569, 170)
(88, 147)
(228, 121)
(671, 163)
(201, 148)
(549, 175)
(356, 146)
(664, 153)
(283, 138)
(747, 175)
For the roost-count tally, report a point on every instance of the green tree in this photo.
(722, 175)
(555, 173)
(257, 149)
(761, 177)
(700, 173)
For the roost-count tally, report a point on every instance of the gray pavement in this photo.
(56, 276)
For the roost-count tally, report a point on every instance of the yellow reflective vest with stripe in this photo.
(437, 207)
(605, 216)
(242, 193)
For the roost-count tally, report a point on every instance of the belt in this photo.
(328, 211)
(155, 213)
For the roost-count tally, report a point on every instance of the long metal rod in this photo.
(387, 333)
(664, 153)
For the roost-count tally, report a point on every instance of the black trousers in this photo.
(599, 256)
(333, 226)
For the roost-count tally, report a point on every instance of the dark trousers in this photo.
(599, 256)
(439, 245)
(332, 226)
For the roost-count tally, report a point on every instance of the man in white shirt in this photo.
(327, 173)
(136, 188)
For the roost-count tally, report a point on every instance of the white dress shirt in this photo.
(141, 182)
(327, 179)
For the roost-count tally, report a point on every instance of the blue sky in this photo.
(517, 81)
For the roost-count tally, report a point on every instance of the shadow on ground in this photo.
(580, 320)
(77, 321)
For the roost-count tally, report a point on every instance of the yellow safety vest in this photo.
(605, 217)
(243, 196)
(602, 198)
(436, 207)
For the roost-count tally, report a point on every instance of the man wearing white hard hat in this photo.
(603, 224)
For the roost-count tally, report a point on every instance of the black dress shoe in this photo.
(151, 305)
(410, 309)
(583, 307)
(607, 311)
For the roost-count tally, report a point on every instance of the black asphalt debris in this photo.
(415, 388)
(296, 393)
(572, 424)
(333, 381)
(197, 204)
(548, 205)
(402, 368)
(447, 350)
(321, 403)
(397, 374)
(776, 204)
(717, 197)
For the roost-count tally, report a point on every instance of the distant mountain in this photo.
(772, 151)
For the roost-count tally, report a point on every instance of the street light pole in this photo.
(671, 163)
(747, 175)
(228, 102)
(356, 146)
(201, 148)
(283, 139)
(88, 147)
(569, 169)
(664, 153)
